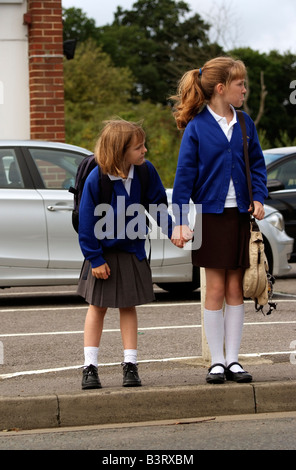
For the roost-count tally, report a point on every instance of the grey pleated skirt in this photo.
(129, 284)
(225, 241)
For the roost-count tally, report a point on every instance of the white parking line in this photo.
(116, 330)
(44, 371)
(152, 305)
(168, 359)
(84, 307)
(105, 331)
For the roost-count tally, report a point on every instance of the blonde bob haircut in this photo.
(197, 86)
(115, 138)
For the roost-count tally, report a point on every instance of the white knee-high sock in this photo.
(233, 323)
(91, 356)
(214, 331)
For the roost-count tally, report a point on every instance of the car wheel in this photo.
(268, 252)
(182, 287)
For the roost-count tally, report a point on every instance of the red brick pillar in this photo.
(46, 79)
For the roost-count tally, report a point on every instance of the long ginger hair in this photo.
(197, 86)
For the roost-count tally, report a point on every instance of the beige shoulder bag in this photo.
(257, 281)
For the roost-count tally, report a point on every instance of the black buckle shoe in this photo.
(130, 375)
(239, 377)
(215, 378)
(90, 378)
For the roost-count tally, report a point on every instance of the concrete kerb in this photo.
(145, 404)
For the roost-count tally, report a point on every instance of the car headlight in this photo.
(276, 219)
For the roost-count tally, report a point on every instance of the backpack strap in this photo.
(143, 174)
(106, 188)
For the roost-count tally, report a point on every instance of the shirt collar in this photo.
(129, 176)
(219, 118)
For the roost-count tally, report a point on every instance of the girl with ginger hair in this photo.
(211, 171)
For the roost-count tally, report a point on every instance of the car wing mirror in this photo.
(275, 185)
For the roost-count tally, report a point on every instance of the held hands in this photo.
(101, 272)
(181, 235)
(258, 210)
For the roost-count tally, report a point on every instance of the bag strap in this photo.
(246, 154)
(143, 173)
(106, 187)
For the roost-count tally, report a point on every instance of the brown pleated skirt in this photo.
(225, 240)
(129, 284)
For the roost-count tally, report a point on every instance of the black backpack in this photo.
(106, 185)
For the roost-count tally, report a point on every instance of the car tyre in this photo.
(268, 252)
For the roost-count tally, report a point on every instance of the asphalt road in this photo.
(164, 443)
(42, 336)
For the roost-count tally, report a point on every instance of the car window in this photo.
(271, 157)
(285, 173)
(57, 168)
(10, 174)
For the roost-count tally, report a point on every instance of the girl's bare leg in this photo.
(93, 326)
(129, 327)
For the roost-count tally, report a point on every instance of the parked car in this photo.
(38, 245)
(281, 183)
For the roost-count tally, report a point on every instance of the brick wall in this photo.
(46, 82)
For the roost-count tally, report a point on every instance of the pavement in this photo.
(171, 390)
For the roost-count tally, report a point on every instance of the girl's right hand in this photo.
(101, 272)
(181, 235)
(258, 210)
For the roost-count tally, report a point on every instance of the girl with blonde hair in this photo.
(116, 272)
(211, 171)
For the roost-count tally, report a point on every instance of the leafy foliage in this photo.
(129, 69)
(279, 70)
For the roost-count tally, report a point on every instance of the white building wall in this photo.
(14, 71)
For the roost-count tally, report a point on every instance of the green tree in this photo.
(76, 25)
(93, 88)
(129, 69)
(158, 41)
(162, 137)
(95, 91)
(279, 117)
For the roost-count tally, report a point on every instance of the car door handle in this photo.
(59, 208)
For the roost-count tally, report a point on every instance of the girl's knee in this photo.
(96, 310)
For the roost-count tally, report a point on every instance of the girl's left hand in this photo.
(259, 211)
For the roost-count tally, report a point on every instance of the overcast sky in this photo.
(262, 25)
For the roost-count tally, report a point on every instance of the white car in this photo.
(38, 245)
